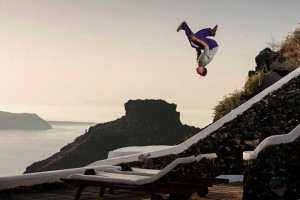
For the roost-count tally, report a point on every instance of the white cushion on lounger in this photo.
(135, 171)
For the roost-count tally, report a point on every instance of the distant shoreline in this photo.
(70, 123)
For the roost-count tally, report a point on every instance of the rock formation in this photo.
(273, 65)
(147, 122)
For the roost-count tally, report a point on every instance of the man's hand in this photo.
(193, 38)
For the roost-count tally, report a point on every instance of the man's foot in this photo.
(214, 30)
(180, 26)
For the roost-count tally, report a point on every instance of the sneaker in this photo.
(180, 26)
(214, 30)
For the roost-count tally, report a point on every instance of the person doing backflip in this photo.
(200, 41)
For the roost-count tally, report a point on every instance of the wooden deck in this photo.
(233, 191)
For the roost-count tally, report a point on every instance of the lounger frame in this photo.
(180, 183)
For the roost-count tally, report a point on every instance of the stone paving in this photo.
(233, 191)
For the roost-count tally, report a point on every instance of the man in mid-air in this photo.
(199, 41)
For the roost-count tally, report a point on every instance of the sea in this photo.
(21, 148)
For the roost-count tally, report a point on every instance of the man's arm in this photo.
(198, 53)
(195, 39)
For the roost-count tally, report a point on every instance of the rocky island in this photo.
(22, 121)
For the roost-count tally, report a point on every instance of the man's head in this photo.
(202, 71)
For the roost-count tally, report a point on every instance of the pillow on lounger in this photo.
(89, 172)
(125, 167)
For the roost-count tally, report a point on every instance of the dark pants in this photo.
(200, 34)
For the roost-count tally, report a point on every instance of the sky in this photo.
(82, 60)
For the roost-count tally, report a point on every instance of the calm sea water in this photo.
(19, 149)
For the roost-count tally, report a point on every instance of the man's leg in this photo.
(207, 32)
(186, 28)
(204, 33)
(188, 32)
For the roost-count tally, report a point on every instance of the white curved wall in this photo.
(272, 140)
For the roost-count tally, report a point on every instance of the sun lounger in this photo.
(180, 178)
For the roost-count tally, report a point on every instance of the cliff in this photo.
(147, 122)
(24, 121)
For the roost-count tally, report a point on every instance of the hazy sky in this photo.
(81, 60)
